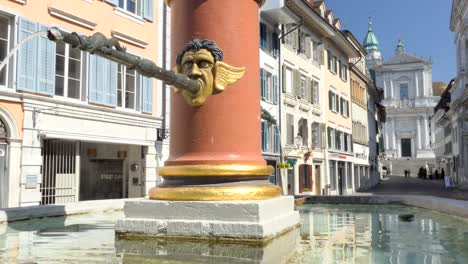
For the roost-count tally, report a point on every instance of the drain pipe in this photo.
(164, 66)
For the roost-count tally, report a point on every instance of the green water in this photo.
(328, 234)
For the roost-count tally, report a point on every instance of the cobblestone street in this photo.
(395, 185)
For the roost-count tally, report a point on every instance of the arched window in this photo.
(3, 131)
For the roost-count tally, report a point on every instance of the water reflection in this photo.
(375, 234)
(328, 234)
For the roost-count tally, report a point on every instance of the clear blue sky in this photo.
(422, 24)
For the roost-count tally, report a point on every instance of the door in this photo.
(340, 178)
(406, 147)
(317, 180)
(3, 177)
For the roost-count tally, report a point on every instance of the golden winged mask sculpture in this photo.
(201, 60)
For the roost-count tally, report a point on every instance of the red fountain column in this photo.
(215, 148)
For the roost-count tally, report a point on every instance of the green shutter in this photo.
(330, 100)
(283, 81)
(276, 46)
(297, 82)
(27, 57)
(309, 89)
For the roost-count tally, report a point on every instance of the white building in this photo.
(270, 93)
(409, 102)
(458, 112)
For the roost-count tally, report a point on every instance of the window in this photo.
(126, 87)
(333, 101)
(289, 80)
(338, 140)
(332, 62)
(304, 44)
(290, 129)
(343, 71)
(403, 91)
(344, 105)
(346, 142)
(303, 131)
(291, 38)
(269, 86)
(315, 52)
(303, 87)
(269, 41)
(4, 47)
(330, 137)
(67, 71)
(315, 92)
(316, 135)
(132, 6)
(332, 175)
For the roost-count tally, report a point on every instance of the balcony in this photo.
(277, 12)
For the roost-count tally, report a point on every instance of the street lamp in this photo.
(298, 141)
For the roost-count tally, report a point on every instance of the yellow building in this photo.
(87, 126)
(339, 154)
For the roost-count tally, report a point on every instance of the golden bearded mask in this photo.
(213, 76)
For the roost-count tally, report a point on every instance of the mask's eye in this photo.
(205, 64)
(188, 65)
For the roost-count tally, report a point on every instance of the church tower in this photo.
(371, 44)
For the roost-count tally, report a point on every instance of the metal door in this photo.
(59, 172)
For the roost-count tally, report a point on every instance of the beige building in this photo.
(339, 153)
(87, 128)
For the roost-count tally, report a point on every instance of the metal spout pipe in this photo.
(110, 48)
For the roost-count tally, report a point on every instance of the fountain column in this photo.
(215, 181)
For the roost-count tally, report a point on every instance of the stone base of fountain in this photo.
(244, 221)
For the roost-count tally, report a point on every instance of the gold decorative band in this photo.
(260, 2)
(215, 170)
(219, 193)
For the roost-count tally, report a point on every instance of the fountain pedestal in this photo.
(243, 221)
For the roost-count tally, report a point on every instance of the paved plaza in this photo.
(399, 185)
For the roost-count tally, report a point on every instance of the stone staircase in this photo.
(400, 164)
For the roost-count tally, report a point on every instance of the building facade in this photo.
(270, 93)
(77, 127)
(409, 103)
(458, 113)
(301, 99)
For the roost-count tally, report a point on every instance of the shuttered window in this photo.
(142, 8)
(36, 60)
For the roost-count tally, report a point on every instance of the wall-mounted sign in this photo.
(284, 165)
(31, 181)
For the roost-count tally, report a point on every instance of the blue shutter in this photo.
(264, 135)
(277, 140)
(276, 46)
(112, 85)
(262, 83)
(147, 94)
(263, 40)
(27, 61)
(148, 8)
(113, 2)
(102, 81)
(46, 65)
(96, 76)
(275, 89)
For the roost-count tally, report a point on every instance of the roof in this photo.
(445, 98)
(403, 57)
(370, 42)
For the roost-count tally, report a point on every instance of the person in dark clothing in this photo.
(436, 174)
(442, 173)
(421, 173)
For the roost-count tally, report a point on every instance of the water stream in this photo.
(21, 43)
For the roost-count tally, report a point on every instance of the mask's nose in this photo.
(195, 72)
